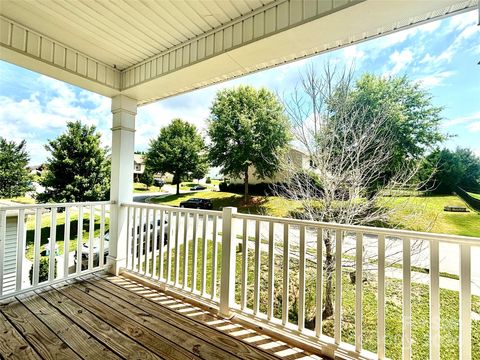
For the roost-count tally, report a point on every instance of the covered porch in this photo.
(139, 54)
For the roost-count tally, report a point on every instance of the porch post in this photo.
(124, 110)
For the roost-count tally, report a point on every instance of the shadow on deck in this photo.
(106, 317)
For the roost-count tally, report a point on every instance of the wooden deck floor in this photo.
(104, 317)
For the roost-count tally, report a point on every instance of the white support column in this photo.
(227, 279)
(124, 110)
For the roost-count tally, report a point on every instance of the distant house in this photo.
(300, 159)
(36, 169)
(138, 166)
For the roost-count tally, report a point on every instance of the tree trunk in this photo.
(329, 264)
(178, 187)
(246, 185)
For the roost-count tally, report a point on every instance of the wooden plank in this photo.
(358, 291)
(123, 333)
(204, 255)
(214, 258)
(70, 333)
(177, 248)
(195, 326)
(185, 250)
(407, 306)
(12, 344)
(243, 297)
(338, 287)
(38, 335)
(381, 298)
(194, 252)
(21, 236)
(301, 281)
(465, 313)
(168, 332)
(319, 284)
(271, 265)
(66, 241)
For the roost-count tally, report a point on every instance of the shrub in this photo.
(43, 273)
(208, 181)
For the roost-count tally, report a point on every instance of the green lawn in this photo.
(426, 214)
(21, 200)
(142, 188)
(60, 231)
(265, 205)
(475, 196)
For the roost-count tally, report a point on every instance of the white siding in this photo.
(9, 265)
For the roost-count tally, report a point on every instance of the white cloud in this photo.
(400, 60)
(436, 79)
(461, 120)
(476, 151)
(474, 127)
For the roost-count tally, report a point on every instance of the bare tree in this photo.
(348, 181)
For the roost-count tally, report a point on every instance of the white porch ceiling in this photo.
(154, 49)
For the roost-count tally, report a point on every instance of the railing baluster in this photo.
(465, 340)
(301, 275)
(204, 254)
(3, 238)
(141, 239)
(52, 244)
(286, 273)
(319, 284)
(256, 281)
(434, 301)
(243, 297)
(358, 291)
(194, 253)
(169, 248)
(156, 239)
(271, 265)
(381, 298)
(214, 257)
(79, 239)
(407, 307)
(177, 247)
(162, 240)
(20, 249)
(135, 235)
(91, 230)
(66, 242)
(101, 255)
(147, 241)
(185, 250)
(338, 287)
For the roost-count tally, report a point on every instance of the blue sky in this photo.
(442, 55)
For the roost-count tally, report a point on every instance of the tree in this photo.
(14, 176)
(350, 147)
(180, 150)
(247, 127)
(408, 111)
(452, 169)
(146, 178)
(78, 168)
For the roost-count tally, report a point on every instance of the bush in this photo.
(208, 181)
(43, 273)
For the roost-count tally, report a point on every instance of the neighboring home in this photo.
(138, 166)
(36, 169)
(300, 159)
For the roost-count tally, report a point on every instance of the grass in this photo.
(449, 302)
(60, 231)
(142, 188)
(426, 214)
(265, 205)
(21, 199)
(475, 196)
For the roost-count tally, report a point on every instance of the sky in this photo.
(442, 55)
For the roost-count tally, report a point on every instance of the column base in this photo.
(115, 266)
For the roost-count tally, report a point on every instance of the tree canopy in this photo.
(408, 110)
(14, 177)
(452, 169)
(77, 168)
(180, 150)
(247, 127)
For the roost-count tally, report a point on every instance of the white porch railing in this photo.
(39, 244)
(253, 266)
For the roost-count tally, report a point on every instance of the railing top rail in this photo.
(54, 205)
(172, 208)
(366, 229)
